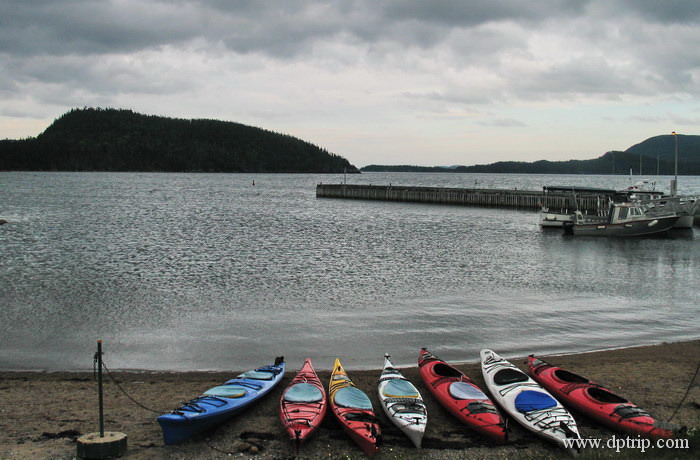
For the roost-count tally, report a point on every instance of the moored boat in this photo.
(597, 402)
(526, 401)
(461, 397)
(623, 220)
(303, 404)
(402, 402)
(353, 409)
(220, 403)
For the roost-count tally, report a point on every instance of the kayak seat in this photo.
(480, 407)
(462, 390)
(508, 376)
(303, 393)
(570, 377)
(257, 375)
(353, 398)
(530, 400)
(445, 370)
(227, 391)
(400, 388)
(630, 411)
(605, 396)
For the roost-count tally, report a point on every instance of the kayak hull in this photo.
(526, 401)
(220, 403)
(597, 402)
(461, 397)
(354, 411)
(402, 403)
(303, 404)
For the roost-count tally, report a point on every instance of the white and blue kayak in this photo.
(402, 402)
(526, 401)
(220, 403)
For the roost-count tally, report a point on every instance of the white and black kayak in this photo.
(402, 402)
(526, 401)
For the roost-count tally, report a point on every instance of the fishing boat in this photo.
(402, 402)
(526, 401)
(353, 409)
(598, 202)
(461, 397)
(598, 403)
(220, 403)
(622, 220)
(303, 404)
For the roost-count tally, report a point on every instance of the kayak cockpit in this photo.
(508, 376)
(445, 370)
(604, 396)
(569, 377)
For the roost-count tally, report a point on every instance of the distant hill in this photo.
(657, 154)
(94, 139)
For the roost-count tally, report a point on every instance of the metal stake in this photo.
(99, 387)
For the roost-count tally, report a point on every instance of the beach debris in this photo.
(73, 435)
(253, 442)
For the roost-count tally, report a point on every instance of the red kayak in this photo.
(303, 404)
(598, 402)
(461, 397)
(354, 411)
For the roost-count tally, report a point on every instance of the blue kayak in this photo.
(220, 403)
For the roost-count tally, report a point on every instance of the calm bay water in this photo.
(208, 271)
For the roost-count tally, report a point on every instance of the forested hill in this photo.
(656, 154)
(94, 139)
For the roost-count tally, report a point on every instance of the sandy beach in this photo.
(42, 414)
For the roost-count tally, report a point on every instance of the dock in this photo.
(525, 200)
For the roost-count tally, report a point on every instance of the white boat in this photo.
(552, 216)
(554, 219)
(402, 402)
(685, 207)
(526, 401)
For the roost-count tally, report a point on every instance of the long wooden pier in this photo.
(492, 198)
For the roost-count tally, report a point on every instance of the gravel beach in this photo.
(42, 413)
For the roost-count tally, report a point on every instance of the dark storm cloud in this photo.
(667, 11)
(286, 28)
(435, 56)
(289, 28)
(62, 27)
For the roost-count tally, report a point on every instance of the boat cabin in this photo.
(625, 212)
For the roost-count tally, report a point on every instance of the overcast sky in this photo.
(387, 82)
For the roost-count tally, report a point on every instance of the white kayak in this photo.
(526, 401)
(402, 402)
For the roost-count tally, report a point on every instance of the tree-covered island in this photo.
(94, 139)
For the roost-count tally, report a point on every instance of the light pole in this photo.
(674, 185)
